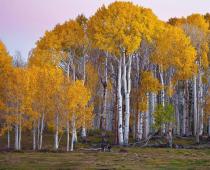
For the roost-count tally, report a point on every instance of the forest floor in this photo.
(132, 157)
(119, 158)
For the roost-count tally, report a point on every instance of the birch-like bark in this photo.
(146, 119)
(137, 135)
(152, 104)
(41, 132)
(209, 126)
(127, 89)
(16, 136)
(73, 133)
(162, 97)
(74, 79)
(56, 132)
(195, 116)
(200, 103)
(8, 138)
(34, 136)
(119, 100)
(177, 114)
(185, 125)
(104, 114)
(67, 136)
(20, 133)
(83, 132)
(67, 117)
(38, 133)
(184, 120)
(141, 125)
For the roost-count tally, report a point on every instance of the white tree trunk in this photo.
(73, 133)
(177, 114)
(104, 114)
(83, 132)
(209, 126)
(34, 136)
(152, 105)
(20, 133)
(8, 138)
(184, 122)
(146, 119)
(196, 127)
(119, 101)
(141, 125)
(162, 97)
(38, 133)
(200, 103)
(137, 135)
(67, 136)
(56, 132)
(41, 132)
(127, 89)
(16, 137)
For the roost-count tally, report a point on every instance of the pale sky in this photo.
(23, 22)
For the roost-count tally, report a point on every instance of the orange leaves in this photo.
(173, 49)
(68, 37)
(199, 21)
(121, 26)
(5, 67)
(78, 98)
(149, 83)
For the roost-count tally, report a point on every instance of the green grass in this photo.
(131, 158)
(134, 158)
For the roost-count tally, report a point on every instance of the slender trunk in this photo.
(184, 120)
(73, 133)
(196, 133)
(34, 136)
(116, 118)
(208, 125)
(67, 135)
(83, 133)
(20, 133)
(200, 102)
(8, 138)
(56, 132)
(75, 136)
(170, 138)
(146, 120)
(104, 114)
(41, 132)
(16, 137)
(162, 98)
(185, 126)
(141, 125)
(38, 133)
(177, 114)
(67, 118)
(127, 89)
(137, 135)
(119, 98)
(152, 104)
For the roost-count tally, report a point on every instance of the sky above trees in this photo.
(23, 22)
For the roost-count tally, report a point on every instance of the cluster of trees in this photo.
(34, 97)
(121, 70)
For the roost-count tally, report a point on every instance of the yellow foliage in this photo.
(121, 26)
(147, 84)
(173, 49)
(78, 98)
